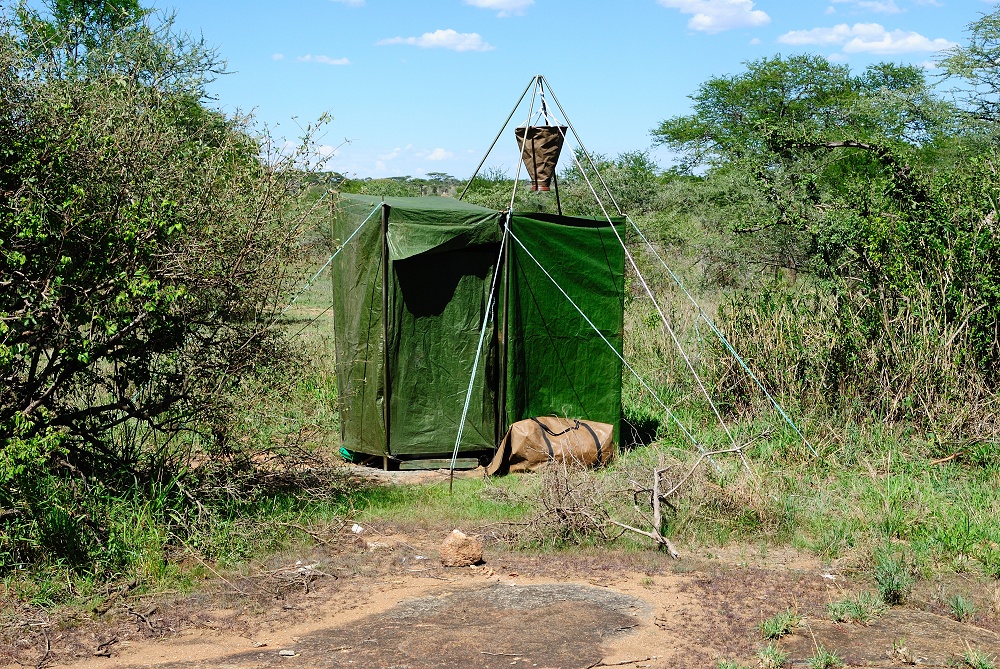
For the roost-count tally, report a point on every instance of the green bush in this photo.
(145, 251)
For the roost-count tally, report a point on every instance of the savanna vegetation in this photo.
(157, 400)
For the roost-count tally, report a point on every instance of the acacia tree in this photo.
(144, 240)
(787, 139)
(978, 65)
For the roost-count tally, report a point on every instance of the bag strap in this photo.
(545, 437)
(546, 428)
(597, 441)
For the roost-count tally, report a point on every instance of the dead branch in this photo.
(655, 536)
(697, 463)
(602, 663)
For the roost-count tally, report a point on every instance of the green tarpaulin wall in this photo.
(405, 354)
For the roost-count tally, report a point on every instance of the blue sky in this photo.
(424, 86)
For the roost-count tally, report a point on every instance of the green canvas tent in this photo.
(411, 293)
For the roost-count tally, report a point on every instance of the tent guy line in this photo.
(722, 337)
(475, 364)
(673, 276)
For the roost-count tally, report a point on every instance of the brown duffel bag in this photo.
(531, 444)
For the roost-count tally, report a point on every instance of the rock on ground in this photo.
(460, 550)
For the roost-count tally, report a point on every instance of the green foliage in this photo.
(863, 609)
(961, 608)
(978, 65)
(824, 659)
(632, 181)
(729, 664)
(977, 659)
(145, 242)
(772, 657)
(893, 579)
(758, 113)
(779, 625)
(854, 221)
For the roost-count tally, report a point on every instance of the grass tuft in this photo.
(893, 580)
(977, 659)
(862, 609)
(779, 625)
(729, 664)
(824, 659)
(772, 657)
(963, 609)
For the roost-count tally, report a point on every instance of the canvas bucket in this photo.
(532, 444)
(540, 147)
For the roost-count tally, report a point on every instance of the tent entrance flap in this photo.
(437, 309)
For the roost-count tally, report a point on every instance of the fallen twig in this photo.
(602, 663)
(941, 461)
(314, 535)
(104, 607)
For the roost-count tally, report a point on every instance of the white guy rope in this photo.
(646, 287)
(475, 364)
(600, 334)
(722, 338)
(335, 254)
(711, 324)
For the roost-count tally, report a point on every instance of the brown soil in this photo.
(384, 601)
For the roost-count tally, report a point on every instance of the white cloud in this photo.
(835, 35)
(866, 38)
(755, 41)
(830, 10)
(443, 39)
(878, 6)
(440, 154)
(325, 60)
(503, 7)
(277, 56)
(713, 16)
(395, 153)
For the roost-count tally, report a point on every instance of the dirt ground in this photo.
(381, 599)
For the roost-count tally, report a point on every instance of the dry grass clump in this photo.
(649, 496)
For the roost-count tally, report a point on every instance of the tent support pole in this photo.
(385, 331)
(333, 300)
(555, 182)
(502, 381)
(497, 138)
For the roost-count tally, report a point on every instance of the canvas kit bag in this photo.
(532, 444)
